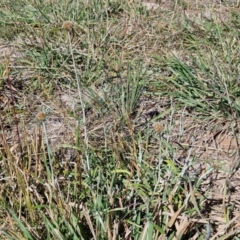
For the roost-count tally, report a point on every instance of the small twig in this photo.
(15, 119)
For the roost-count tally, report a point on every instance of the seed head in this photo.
(67, 25)
(157, 127)
(41, 116)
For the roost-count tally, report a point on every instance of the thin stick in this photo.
(82, 103)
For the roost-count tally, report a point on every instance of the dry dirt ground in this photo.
(214, 144)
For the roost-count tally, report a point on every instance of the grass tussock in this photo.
(119, 120)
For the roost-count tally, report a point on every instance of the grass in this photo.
(109, 116)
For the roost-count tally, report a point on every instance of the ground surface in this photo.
(133, 103)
